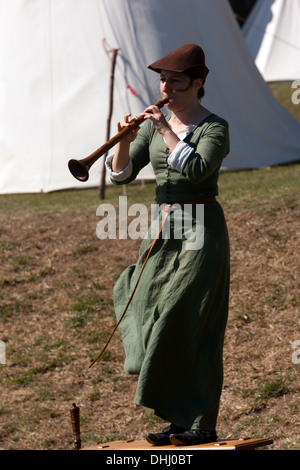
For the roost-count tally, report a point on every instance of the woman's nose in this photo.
(165, 86)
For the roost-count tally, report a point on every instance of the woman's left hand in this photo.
(155, 115)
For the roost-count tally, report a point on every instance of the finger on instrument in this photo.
(126, 117)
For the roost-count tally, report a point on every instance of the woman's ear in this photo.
(198, 83)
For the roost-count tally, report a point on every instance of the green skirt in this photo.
(173, 331)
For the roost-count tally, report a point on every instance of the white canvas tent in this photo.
(55, 73)
(272, 34)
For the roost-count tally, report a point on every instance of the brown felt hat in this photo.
(189, 59)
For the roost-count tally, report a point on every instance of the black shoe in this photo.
(193, 437)
(163, 438)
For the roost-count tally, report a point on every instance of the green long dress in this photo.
(173, 330)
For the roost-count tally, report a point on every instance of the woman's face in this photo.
(179, 87)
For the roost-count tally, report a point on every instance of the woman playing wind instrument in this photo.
(173, 331)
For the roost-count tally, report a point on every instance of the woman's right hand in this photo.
(121, 156)
(132, 135)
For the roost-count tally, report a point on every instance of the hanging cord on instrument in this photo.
(167, 211)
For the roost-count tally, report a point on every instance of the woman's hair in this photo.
(201, 93)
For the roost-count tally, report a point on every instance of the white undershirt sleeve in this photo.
(122, 175)
(177, 159)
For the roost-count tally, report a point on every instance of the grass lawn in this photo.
(56, 312)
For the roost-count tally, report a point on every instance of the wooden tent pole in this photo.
(110, 111)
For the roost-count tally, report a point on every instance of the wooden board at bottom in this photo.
(237, 444)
